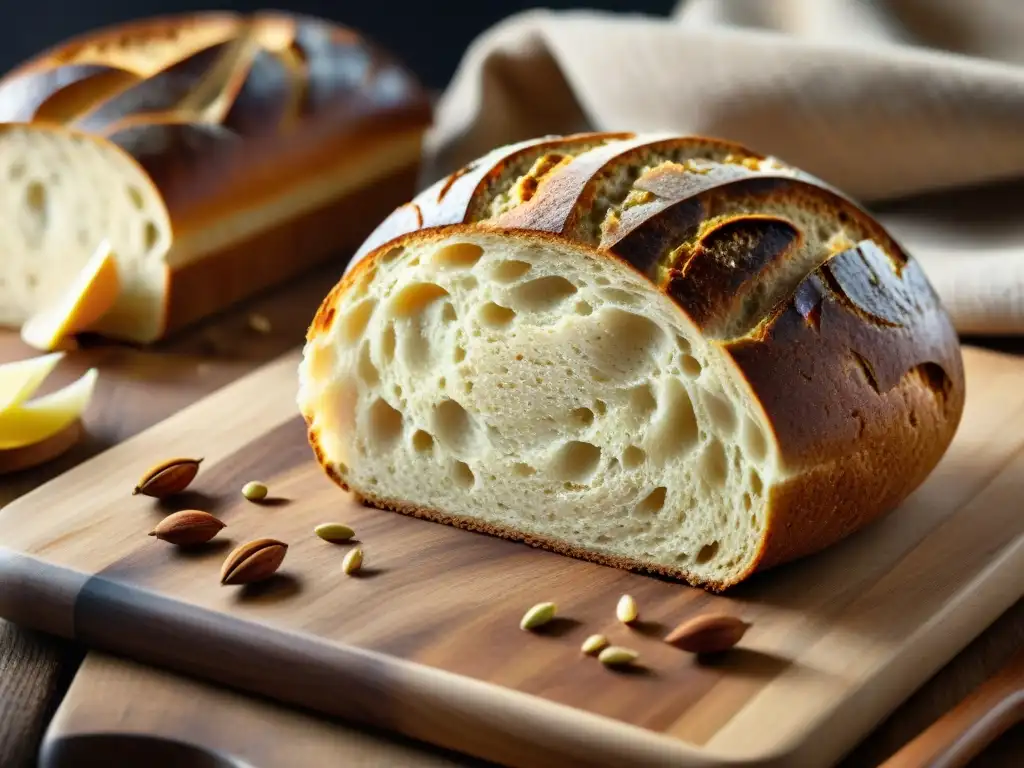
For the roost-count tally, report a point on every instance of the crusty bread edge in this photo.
(63, 52)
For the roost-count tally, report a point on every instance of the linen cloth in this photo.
(913, 107)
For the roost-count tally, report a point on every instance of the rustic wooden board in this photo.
(137, 388)
(426, 642)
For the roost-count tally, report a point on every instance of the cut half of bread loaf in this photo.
(65, 193)
(661, 353)
(275, 141)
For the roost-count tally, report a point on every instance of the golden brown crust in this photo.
(854, 362)
(157, 41)
(462, 196)
(229, 113)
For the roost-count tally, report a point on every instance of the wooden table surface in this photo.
(138, 388)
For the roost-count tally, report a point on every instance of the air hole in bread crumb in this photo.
(577, 461)
(619, 296)
(652, 502)
(912, 417)
(341, 467)
(454, 426)
(756, 486)
(600, 407)
(366, 369)
(385, 424)
(583, 308)
(602, 280)
(682, 557)
(36, 199)
(723, 418)
(391, 255)
(397, 389)
(748, 502)
(151, 236)
(633, 457)
(365, 278)
(523, 470)
(496, 316)
(582, 417)
(674, 428)
(459, 353)
(507, 271)
(387, 343)
(462, 475)
(356, 319)
(135, 195)
(458, 256)
(322, 362)
(543, 293)
(690, 366)
(684, 345)
(714, 465)
(707, 553)
(642, 402)
(753, 440)
(414, 299)
(422, 441)
(448, 313)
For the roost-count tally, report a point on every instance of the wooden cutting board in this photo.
(425, 642)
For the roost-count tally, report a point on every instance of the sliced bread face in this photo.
(668, 354)
(64, 193)
(528, 387)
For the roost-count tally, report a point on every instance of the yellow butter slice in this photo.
(20, 379)
(32, 422)
(89, 296)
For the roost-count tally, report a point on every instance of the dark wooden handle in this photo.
(963, 732)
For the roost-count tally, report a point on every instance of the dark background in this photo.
(429, 36)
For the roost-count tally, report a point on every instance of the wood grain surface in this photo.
(964, 731)
(838, 640)
(136, 390)
(172, 721)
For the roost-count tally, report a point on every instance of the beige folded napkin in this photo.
(914, 107)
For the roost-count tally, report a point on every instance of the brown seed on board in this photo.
(708, 634)
(253, 561)
(187, 528)
(168, 478)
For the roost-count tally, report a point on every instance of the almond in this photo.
(253, 561)
(168, 478)
(712, 633)
(187, 528)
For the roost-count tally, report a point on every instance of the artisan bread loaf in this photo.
(662, 353)
(274, 141)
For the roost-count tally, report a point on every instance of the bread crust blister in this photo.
(839, 368)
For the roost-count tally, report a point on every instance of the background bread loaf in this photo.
(657, 352)
(274, 141)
